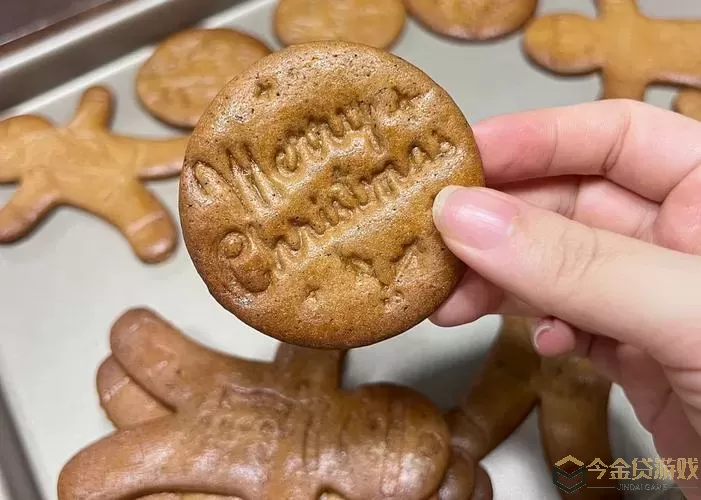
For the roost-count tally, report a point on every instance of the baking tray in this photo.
(62, 287)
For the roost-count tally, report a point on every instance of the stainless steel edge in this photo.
(16, 479)
(30, 71)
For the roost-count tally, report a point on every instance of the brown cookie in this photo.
(629, 49)
(306, 195)
(185, 72)
(688, 103)
(194, 420)
(86, 166)
(472, 19)
(369, 22)
(572, 401)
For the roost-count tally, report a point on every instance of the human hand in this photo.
(598, 226)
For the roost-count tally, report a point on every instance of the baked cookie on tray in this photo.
(306, 194)
(195, 423)
(630, 50)
(370, 22)
(86, 166)
(572, 401)
(472, 19)
(187, 69)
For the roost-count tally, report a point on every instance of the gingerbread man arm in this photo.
(502, 396)
(34, 198)
(574, 420)
(143, 460)
(125, 402)
(148, 158)
(154, 158)
(170, 366)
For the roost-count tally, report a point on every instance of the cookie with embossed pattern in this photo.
(306, 194)
(370, 22)
(185, 72)
(202, 425)
(472, 19)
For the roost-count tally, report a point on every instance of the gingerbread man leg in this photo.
(502, 396)
(170, 366)
(32, 200)
(136, 212)
(688, 103)
(574, 421)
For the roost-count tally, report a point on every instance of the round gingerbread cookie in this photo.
(185, 72)
(306, 194)
(371, 22)
(472, 19)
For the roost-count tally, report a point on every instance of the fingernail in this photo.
(540, 329)
(475, 217)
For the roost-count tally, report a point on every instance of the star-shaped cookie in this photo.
(84, 165)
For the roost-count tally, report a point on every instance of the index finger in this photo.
(645, 149)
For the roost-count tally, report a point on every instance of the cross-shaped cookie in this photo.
(630, 49)
(86, 166)
(196, 424)
(572, 401)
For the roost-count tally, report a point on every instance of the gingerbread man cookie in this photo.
(196, 424)
(472, 19)
(84, 165)
(572, 401)
(629, 49)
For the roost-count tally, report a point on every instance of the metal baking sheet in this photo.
(62, 287)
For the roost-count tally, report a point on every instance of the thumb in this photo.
(599, 281)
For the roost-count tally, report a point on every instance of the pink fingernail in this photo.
(476, 217)
(540, 330)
